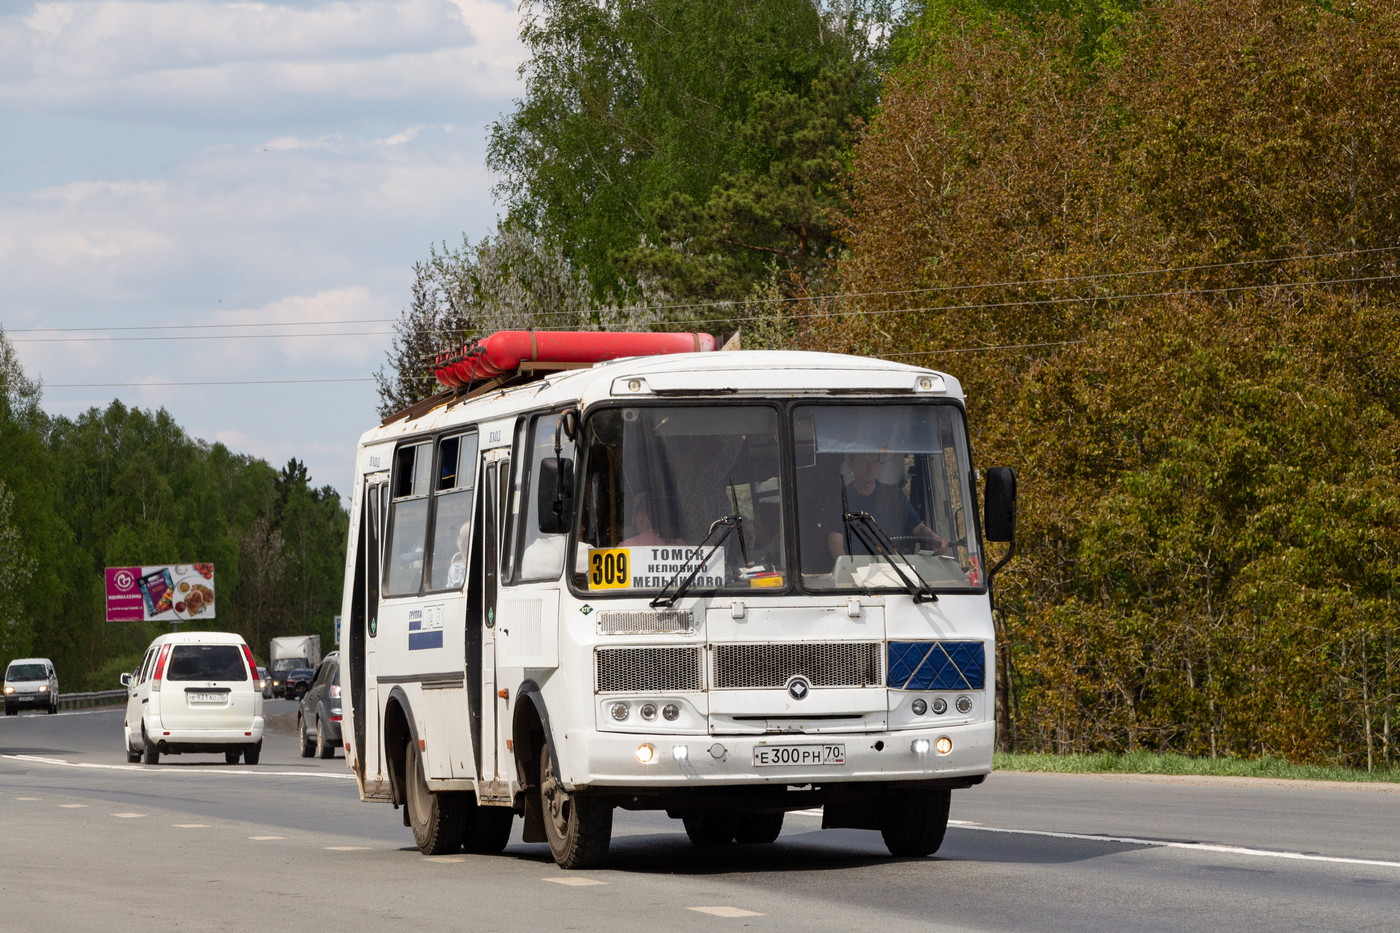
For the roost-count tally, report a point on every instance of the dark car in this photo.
(318, 719)
(295, 683)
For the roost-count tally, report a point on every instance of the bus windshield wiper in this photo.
(728, 523)
(868, 531)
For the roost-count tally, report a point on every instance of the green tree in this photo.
(695, 142)
(512, 281)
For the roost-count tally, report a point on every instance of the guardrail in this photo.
(84, 700)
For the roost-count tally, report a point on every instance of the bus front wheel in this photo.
(438, 820)
(915, 820)
(579, 828)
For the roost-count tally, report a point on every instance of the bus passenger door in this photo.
(486, 741)
(361, 634)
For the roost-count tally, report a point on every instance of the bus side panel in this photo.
(421, 646)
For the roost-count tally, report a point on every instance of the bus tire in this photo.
(488, 829)
(438, 821)
(579, 828)
(758, 828)
(710, 827)
(915, 821)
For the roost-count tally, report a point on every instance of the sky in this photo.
(214, 207)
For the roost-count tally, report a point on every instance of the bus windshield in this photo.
(820, 496)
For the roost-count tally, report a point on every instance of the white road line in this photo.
(574, 882)
(157, 769)
(726, 911)
(265, 838)
(191, 825)
(347, 848)
(72, 806)
(1198, 846)
(129, 816)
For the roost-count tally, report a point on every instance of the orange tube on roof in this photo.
(504, 351)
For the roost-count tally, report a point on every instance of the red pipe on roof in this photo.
(504, 351)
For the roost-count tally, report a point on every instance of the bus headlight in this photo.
(940, 705)
(646, 754)
(920, 746)
(943, 745)
(670, 712)
(919, 706)
(964, 704)
(648, 711)
(620, 711)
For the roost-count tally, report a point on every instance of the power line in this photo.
(852, 296)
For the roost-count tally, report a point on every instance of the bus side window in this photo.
(452, 511)
(408, 519)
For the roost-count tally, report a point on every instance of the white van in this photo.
(30, 682)
(194, 692)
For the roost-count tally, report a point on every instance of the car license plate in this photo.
(208, 697)
(780, 755)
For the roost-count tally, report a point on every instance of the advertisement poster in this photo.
(166, 593)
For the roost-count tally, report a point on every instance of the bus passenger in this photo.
(643, 532)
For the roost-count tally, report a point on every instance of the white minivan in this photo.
(194, 692)
(30, 682)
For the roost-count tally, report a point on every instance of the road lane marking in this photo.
(726, 911)
(129, 816)
(347, 848)
(191, 825)
(443, 859)
(73, 806)
(265, 838)
(1197, 846)
(158, 769)
(29, 798)
(574, 882)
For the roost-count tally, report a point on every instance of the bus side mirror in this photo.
(999, 504)
(555, 495)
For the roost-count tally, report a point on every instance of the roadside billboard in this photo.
(163, 593)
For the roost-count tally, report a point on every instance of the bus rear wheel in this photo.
(915, 821)
(710, 827)
(759, 828)
(438, 821)
(579, 828)
(488, 829)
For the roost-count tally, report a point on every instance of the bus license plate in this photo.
(798, 755)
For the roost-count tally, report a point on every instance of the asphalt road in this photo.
(92, 843)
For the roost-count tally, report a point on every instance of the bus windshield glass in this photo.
(884, 499)
(739, 497)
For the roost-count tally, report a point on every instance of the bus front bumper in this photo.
(597, 760)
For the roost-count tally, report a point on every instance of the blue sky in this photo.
(209, 206)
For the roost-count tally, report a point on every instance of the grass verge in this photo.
(1154, 763)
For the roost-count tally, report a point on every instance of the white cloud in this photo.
(205, 60)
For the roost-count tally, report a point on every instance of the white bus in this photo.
(722, 584)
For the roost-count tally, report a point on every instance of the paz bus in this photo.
(603, 570)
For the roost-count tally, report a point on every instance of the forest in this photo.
(122, 487)
(1158, 242)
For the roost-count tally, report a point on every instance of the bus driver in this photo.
(886, 503)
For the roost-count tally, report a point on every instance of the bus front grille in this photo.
(648, 670)
(848, 664)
